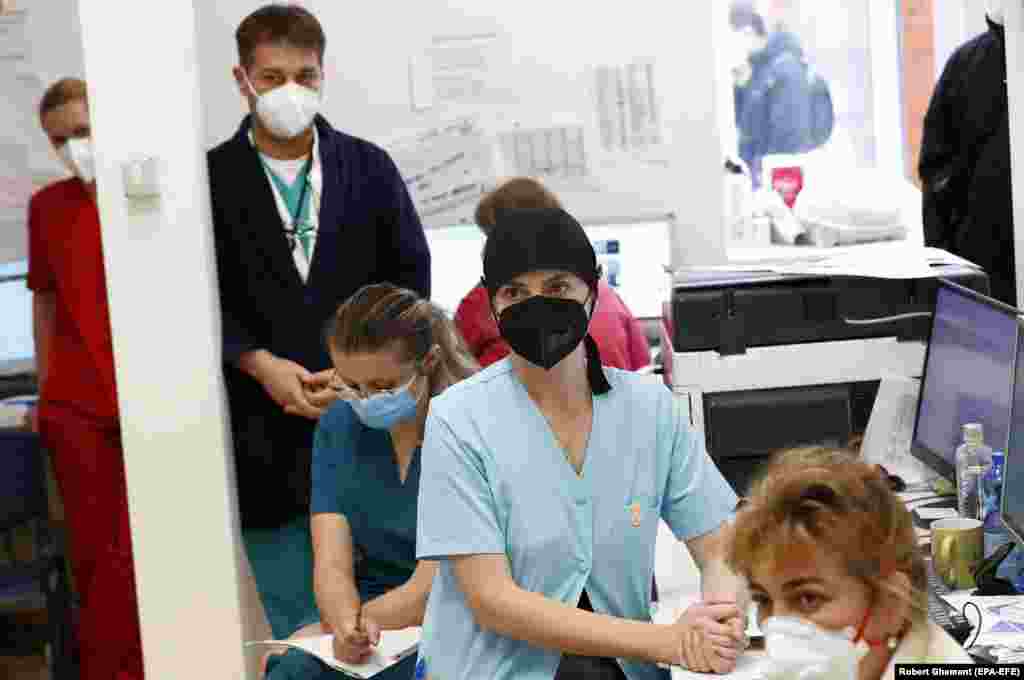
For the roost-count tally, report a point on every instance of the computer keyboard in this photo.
(942, 613)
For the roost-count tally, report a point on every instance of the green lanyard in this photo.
(297, 202)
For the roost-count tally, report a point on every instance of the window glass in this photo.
(801, 75)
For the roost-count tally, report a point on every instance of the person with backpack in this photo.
(782, 104)
(965, 160)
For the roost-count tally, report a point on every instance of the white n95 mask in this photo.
(288, 110)
(78, 157)
(799, 650)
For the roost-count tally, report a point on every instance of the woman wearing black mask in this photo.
(543, 479)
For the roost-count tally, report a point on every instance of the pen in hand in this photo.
(354, 642)
(369, 632)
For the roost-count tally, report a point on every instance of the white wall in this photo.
(54, 51)
(956, 21)
(142, 66)
(54, 32)
(551, 45)
(885, 83)
(367, 60)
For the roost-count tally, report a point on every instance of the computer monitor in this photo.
(968, 375)
(643, 253)
(1013, 468)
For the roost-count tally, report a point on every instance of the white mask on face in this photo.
(288, 110)
(77, 156)
(994, 10)
(800, 650)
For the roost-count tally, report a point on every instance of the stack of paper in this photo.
(892, 260)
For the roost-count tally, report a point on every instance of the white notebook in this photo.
(394, 646)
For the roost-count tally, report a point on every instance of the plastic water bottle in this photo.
(973, 459)
(996, 534)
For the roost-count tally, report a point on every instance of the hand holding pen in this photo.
(356, 637)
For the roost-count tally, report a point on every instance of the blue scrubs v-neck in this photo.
(355, 475)
(576, 488)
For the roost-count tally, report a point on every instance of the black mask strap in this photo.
(490, 300)
(595, 373)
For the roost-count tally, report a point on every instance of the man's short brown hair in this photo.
(60, 93)
(279, 24)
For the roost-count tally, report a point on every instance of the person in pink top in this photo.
(617, 333)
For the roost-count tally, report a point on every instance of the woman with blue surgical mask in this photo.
(392, 352)
(835, 570)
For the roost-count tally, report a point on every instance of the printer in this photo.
(768, 361)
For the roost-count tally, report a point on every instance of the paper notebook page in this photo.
(398, 643)
(394, 645)
(322, 648)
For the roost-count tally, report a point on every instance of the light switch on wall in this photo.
(141, 177)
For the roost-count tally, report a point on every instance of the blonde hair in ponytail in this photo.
(385, 317)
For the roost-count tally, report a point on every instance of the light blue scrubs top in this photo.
(494, 480)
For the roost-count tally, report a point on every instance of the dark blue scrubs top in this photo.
(355, 475)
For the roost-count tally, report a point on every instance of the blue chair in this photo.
(41, 580)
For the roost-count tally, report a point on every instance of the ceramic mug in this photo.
(958, 545)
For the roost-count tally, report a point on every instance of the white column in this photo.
(698, 235)
(1014, 25)
(956, 22)
(141, 65)
(884, 42)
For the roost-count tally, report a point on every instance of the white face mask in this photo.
(287, 110)
(994, 10)
(77, 156)
(799, 650)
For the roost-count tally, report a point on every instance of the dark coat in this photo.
(965, 162)
(369, 233)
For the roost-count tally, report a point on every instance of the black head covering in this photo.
(533, 239)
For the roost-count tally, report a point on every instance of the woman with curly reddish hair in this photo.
(833, 564)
